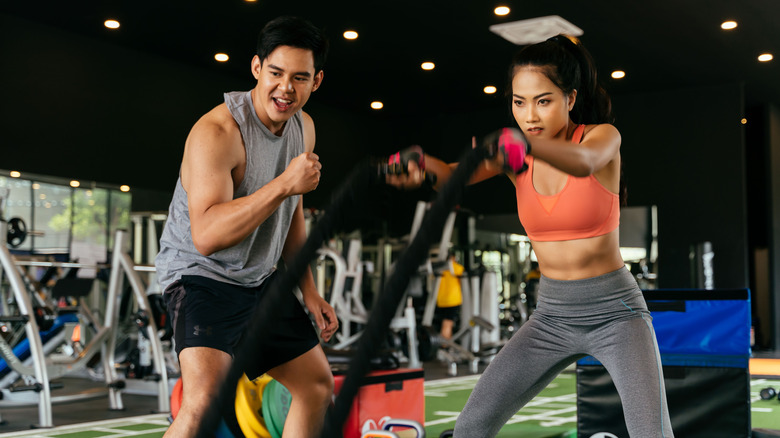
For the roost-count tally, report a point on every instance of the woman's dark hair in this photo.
(293, 32)
(569, 65)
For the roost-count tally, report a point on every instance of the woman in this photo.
(568, 202)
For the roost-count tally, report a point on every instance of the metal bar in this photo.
(157, 350)
(31, 329)
(112, 310)
(61, 264)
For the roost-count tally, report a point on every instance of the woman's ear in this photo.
(572, 99)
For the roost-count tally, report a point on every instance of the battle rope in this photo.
(395, 288)
(348, 195)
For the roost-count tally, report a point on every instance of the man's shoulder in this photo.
(217, 121)
(215, 130)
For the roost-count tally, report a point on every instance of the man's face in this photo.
(285, 80)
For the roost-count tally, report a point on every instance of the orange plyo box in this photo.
(386, 394)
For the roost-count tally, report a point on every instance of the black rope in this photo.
(384, 309)
(345, 203)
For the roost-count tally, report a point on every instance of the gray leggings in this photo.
(605, 317)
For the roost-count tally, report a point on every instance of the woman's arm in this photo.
(442, 171)
(600, 146)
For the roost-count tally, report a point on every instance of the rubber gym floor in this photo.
(552, 414)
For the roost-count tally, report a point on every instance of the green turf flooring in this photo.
(552, 414)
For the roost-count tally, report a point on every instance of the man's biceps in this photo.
(200, 203)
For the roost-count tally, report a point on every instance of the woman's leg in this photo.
(629, 352)
(531, 359)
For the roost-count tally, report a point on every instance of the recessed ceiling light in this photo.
(501, 10)
(534, 30)
(765, 57)
(428, 65)
(111, 24)
(743, 121)
(350, 35)
(124, 188)
(75, 183)
(15, 174)
(221, 57)
(377, 105)
(489, 89)
(618, 74)
(728, 25)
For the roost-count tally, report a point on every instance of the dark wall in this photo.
(79, 108)
(683, 150)
(773, 134)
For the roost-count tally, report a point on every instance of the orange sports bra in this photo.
(583, 208)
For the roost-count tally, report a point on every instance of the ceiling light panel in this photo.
(535, 30)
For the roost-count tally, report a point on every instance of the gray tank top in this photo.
(253, 259)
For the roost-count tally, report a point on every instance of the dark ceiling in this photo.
(661, 44)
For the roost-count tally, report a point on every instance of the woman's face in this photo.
(539, 107)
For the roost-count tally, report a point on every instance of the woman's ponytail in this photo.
(593, 103)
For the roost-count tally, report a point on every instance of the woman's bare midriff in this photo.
(580, 258)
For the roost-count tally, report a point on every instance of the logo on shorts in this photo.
(198, 330)
(603, 435)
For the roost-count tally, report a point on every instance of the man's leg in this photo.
(202, 372)
(446, 328)
(310, 381)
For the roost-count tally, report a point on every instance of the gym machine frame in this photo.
(348, 306)
(42, 369)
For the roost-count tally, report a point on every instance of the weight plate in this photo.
(176, 398)
(276, 406)
(249, 402)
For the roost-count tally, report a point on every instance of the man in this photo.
(236, 209)
(450, 297)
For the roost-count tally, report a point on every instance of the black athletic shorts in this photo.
(210, 313)
(452, 313)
